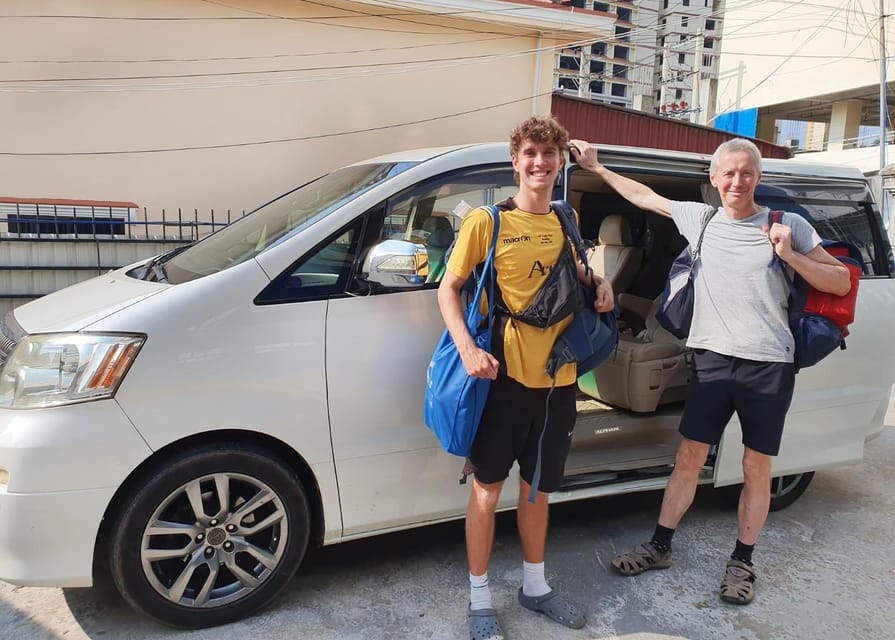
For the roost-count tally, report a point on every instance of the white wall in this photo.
(273, 130)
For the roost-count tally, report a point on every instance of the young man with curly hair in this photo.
(525, 412)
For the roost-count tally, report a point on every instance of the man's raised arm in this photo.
(634, 192)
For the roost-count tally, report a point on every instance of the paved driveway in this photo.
(821, 564)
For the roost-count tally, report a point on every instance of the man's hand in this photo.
(638, 194)
(780, 237)
(479, 363)
(584, 154)
(605, 299)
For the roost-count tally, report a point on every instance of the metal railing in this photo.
(67, 222)
(80, 239)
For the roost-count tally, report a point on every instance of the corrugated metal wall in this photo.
(606, 124)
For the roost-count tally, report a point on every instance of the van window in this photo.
(276, 221)
(842, 211)
(323, 271)
(430, 213)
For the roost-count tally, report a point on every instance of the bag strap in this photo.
(777, 217)
(566, 216)
(487, 272)
(694, 255)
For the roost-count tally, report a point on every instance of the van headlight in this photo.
(52, 369)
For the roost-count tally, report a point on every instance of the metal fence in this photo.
(47, 245)
(82, 221)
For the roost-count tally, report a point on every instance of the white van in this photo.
(191, 424)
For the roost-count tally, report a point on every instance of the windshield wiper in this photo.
(159, 272)
(156, 267)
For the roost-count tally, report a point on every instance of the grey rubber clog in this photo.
(554, 607)
(483, 625)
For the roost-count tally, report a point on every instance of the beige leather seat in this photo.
(646, 370)
(615, 257)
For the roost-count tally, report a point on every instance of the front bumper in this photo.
(64, 466)
(46, 539)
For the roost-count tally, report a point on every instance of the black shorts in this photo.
(511, 427)
(759, 392)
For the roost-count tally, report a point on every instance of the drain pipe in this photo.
(536, 85)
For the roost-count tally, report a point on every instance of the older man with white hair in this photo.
(743, 348)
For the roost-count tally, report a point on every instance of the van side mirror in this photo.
(396, 264)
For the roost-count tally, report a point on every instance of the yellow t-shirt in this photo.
(528, 246)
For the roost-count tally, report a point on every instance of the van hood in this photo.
(82, 304)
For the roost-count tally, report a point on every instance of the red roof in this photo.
(606, 124)
(69, 203)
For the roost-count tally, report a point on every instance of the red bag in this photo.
(819, 321)
(839, 309)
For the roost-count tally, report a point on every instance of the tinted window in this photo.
(324, 271)
(427, 214)
(430, 212)
(837, 210)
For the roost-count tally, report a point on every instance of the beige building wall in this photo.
(226, 105)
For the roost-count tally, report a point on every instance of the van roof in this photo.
(769, 165)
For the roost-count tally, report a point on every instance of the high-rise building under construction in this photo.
(662, 58)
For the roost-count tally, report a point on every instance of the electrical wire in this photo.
(357, 13)
(779, 66)
(355, 70)
(306, 54)
(643, 62)
(384, 68)
(276, 140)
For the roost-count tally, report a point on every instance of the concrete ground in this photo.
(821, 563)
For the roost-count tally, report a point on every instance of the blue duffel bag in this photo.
(675, 311)
(455, 400)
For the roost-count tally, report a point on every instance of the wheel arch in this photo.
(231, 436)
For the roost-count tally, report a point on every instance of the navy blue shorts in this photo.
(511, 426)
(759, 392)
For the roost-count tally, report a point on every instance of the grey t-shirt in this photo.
(740, 295)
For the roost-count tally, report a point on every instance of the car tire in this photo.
(236, 527)
(784, 490)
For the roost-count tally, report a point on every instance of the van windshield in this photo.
(268, 225)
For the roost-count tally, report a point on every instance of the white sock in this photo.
(479, 592)
(533, 582)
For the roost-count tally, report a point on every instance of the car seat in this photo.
(646, 370)
(615, 257)
(440, 235)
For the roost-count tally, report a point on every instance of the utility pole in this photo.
(696, 98)
(883, 138)
(665, 76)
(882, 87)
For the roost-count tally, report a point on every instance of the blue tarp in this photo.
(742, 123)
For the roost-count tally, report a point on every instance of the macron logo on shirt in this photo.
(517, 239)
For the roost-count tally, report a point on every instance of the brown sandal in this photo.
(643, 558)
(738, 586)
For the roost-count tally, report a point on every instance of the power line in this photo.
(262, 71)
(259, 15)
(783, 62)
(357, 70)
(306, 54)
(274, 141)
(625, 40)
(368, 14)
